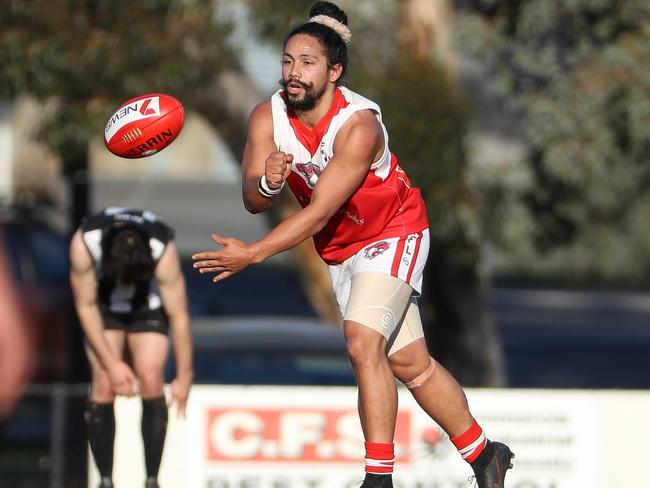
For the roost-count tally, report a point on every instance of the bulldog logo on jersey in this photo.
(309, 171)
(376, 249)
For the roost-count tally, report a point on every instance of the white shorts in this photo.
(376, 288)
(401, 257)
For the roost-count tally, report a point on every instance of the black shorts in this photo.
(145, 321)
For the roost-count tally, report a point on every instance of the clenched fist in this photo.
(277, 168)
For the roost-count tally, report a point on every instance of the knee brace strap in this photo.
(423, 376)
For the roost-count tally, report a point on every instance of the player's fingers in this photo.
(130, 386)
(222, 276)
(289, 158)
(287, 172)
(181, 408)
(121, 387)
(203, 263)
(213, 269)
(219, 239)
(208, 263)
(276, 155)
(203, 255)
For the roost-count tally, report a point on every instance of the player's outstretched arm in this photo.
(355, 149)
(174, 297)
(84, 288)
(258, 161)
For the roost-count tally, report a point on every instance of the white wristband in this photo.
(264, 189)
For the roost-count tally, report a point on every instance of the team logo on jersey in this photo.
(309, 171)
(376, 249)
(323, 153)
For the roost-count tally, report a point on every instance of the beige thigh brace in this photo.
(386, 304)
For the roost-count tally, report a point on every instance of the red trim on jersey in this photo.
(415, 257)
(311, 137)
(383, 207)
(398, 257)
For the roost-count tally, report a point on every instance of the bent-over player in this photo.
(130, 294)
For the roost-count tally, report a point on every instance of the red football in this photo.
(144, 125)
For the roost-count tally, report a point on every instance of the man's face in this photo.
(305, 73)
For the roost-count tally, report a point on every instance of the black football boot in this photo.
(105, 483)
(377, 481)
(151, 482)
(491, 466)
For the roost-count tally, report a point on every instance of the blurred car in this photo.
(562, 338)
(37, 253)
(268, 350)
(38, 256)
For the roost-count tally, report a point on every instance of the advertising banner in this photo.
(308, 437)
(271, 438)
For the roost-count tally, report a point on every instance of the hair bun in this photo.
(330, 10)
(328, 14)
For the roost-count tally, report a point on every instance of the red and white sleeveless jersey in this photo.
(384, 206)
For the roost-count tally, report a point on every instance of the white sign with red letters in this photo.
(308, 437)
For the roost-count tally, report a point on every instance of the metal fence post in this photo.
(57, 436)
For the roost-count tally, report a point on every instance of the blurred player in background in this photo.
(129, 293)
(369, 224)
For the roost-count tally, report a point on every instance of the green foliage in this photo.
(88, 56)
(371, 47)
(577, 71)
(273, 20)
(427, 122)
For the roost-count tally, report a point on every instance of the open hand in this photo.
(234, 256)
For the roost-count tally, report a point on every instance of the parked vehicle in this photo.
(46, 427)
(554, 338)
(38, 254)
(265, 350)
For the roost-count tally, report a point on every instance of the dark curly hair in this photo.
(127, 255)
(126, 259)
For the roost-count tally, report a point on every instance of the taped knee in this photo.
(421, 378)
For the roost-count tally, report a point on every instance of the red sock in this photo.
(380, 457)
(470, 444)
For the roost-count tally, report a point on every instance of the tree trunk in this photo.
(424, 28)
(75, 170)
(459, 330)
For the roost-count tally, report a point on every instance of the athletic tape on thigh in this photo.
(378, 301)
(409, 331)
(423, 376)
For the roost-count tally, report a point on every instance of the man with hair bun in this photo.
(129, 293)
(369, 224)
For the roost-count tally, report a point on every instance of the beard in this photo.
(307, 101)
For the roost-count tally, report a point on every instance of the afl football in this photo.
(144, 125)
